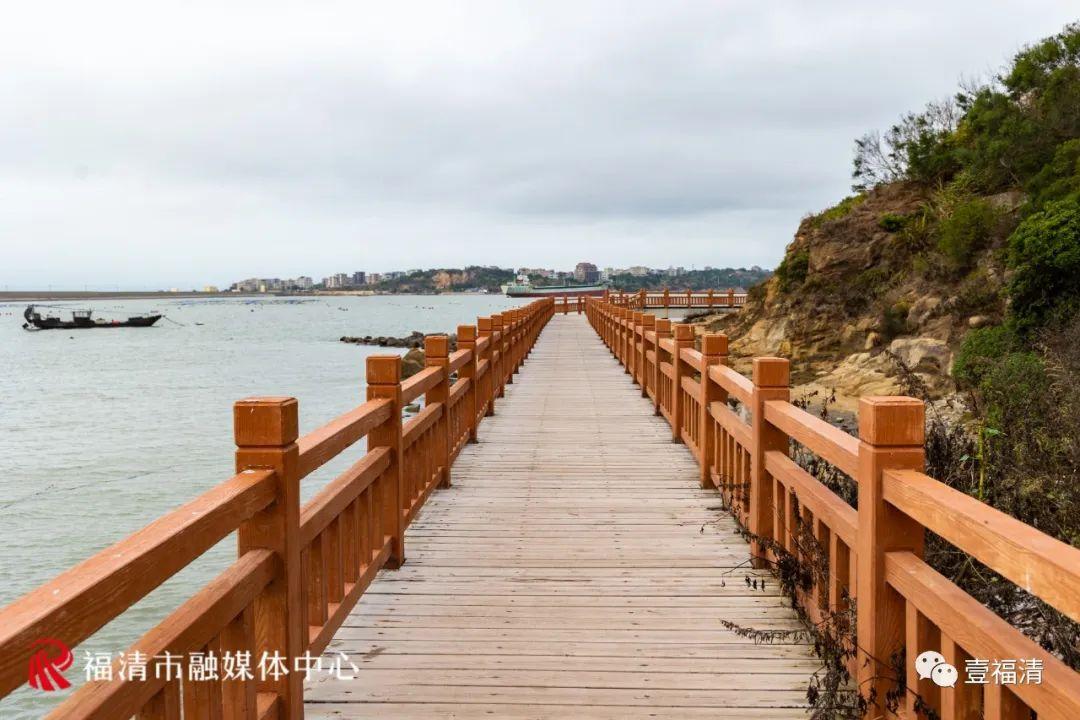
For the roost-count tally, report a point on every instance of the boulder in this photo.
(923, 354)
(978, 321)
(412, 362)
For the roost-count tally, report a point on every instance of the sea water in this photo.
(104, 430)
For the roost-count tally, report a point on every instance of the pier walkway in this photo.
(547, 538)
(575, 569)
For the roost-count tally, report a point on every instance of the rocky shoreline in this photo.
(412, 362)
(415, 339)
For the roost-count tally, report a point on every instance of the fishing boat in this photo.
(80, 320)
(523, 287)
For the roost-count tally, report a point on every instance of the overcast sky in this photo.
(161, 144)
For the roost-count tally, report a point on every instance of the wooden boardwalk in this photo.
(574, 569)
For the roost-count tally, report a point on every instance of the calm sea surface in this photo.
(104, 430)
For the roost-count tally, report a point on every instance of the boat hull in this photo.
(590, 291)
(58, 324)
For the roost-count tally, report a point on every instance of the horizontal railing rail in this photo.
(873, 553)
(300, 568)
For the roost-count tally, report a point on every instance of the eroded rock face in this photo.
(923, 354)
(922, 309)
(765, 337)
(859, 374)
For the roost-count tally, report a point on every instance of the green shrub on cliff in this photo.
(840, 210)
(965, 231)
(792, 269)
(980, 350)
(1044, 254)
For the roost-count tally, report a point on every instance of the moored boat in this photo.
(80, 320)
(523, 287)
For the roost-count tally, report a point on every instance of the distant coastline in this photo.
(11, 295)
(21, 295)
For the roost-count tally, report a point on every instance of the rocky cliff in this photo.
(865, 285)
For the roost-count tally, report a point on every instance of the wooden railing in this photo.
(300, 568)
(644, 299)
(874, 553)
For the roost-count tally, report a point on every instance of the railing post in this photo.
(710, 298)
(266, 430)
(635, 356)
(384, 381)
(667, 300)
(731, 297)
(663, 332)
(684, 338)
(771, 380)
(483, 330)
(648, 324)
(466, 340)
(891, 434)
(714, 349)
(437, 354)
(499, 336)
(623, 313)
(510, 328)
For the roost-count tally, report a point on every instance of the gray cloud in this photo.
(195, 143)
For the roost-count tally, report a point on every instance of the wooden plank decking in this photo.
(575, 569)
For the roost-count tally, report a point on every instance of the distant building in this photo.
(359, 278)
(210, 289)
(304, 283)
(586, 272)
(541, 272)
(374, 278)
(638, 271)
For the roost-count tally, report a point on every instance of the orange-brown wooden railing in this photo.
(874, 552)
(300, 568)
(645, 299)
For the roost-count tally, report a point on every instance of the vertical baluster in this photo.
(964, 701)
(238, 695)
(838, 574)
(165, 705)
(920, 635)
(350, 537)
(266, 430)
(891, 434)
(335, 581)
(202, 697)
(316, 583)
(1000, 703)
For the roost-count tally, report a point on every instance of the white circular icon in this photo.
(931, 665)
